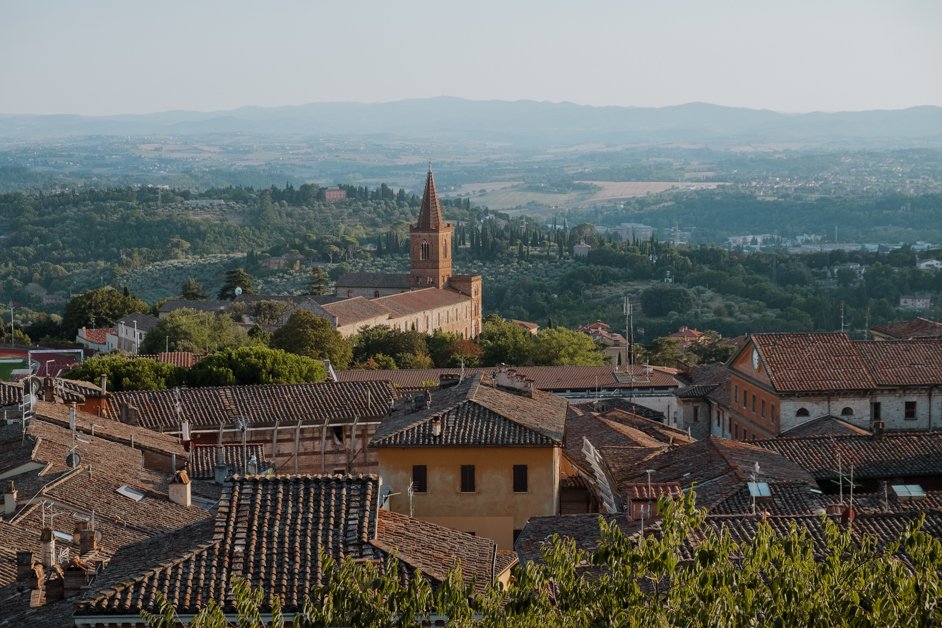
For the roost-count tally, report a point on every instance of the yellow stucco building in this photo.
(481, 456)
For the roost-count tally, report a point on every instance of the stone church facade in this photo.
(430, 297)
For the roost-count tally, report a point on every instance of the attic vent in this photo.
(759, 489)
(130, 493)
(906, 492)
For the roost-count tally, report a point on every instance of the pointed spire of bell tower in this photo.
(430, 246)
(430, 214)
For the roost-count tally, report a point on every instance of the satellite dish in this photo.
(238, 291)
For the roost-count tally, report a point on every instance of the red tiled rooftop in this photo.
(98, 335)
(916, 328)
(814, 361)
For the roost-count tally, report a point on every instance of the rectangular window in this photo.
(735, 391)
(420, 478)
(772, 413)
(875, 411)
(753, 402)
(763, 408)
(467, 478)
(736, 431)
(745, 398)
(910, 410)
(696, 414)
(520, 478)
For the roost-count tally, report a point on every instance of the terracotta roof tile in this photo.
(475, 413)
(890, 455)
(114, 431)
(813, 362)
(549, 378)
(356, 309)
(263, 405)
(270, 530)
(584, 529)
(417, 301)
(916, 328)
(825, 426)
(916, 362)
(98, 336)
(435, 550)
(203, 459)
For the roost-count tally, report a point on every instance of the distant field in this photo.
(629, 189)
(510, 194)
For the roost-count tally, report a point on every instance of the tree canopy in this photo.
(652, 579)
(198, 332)
(236, 278)
(255, 365)
(98, 308)
(313, 336)
(128, 373)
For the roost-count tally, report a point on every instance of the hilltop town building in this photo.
(428, 298)
(779, 382)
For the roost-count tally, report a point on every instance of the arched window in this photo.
(847, 411)
(802, 412)
(425, 251)
(444, 248)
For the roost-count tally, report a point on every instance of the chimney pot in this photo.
(180, 491)
(9, 498)
(48, 541)
(88, 541)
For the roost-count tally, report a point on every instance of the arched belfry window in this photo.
(444, 248)
(425, 250)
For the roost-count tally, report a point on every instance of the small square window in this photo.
(910, 410)
(467, 478)
(419, 478)
(520, 478)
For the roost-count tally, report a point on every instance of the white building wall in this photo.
(893, 409)
(822, 406)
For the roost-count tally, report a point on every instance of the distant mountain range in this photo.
(516, 122)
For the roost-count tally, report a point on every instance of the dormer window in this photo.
(847, 411)
(802, 412)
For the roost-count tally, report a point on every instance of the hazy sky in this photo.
(126, 56)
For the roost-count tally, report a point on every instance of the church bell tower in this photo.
(430, 242)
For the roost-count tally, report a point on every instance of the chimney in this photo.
(129, 414)
(222, 471)
(179, 492)
(55, 585)
(24, 566)
(48, 554)
(847, 517)
(77, 531)
(88, 540)
(878, 428)
(49, 390)
(103, 384)
(437, 426)
(9, 498)
(75, 578)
